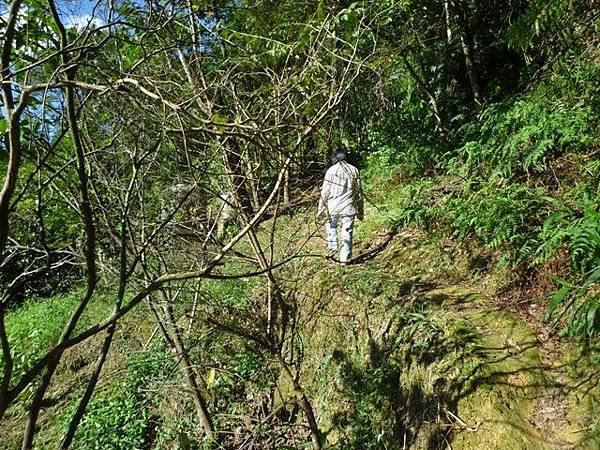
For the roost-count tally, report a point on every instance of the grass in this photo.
(37, 325)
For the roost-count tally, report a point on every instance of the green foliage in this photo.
(415, 203)
(523, 135)
(367, 422)
(403, 140)
(418, 330)
(227, 294)
(36, 325)
(542, 17)
(580, 303)
(118, 416)
(502, 215)
(576, 227)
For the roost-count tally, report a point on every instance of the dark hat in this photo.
(339, 155)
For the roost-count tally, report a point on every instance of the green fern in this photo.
(523, 135)
(580, 233)
(501, 215)
(542, 17)
(581, 303)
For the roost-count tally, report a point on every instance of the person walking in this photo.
(340, 203)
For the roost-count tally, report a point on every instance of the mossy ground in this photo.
(409, 348)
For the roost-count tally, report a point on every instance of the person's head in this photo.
(339, 155)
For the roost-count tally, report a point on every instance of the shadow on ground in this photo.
(449, 372)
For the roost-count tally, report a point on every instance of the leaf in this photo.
(594, 276)
(562, 281)
(558, 297)
(3, 125)
(591, 319)
(210, 378)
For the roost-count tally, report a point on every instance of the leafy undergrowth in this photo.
(119, 412)
(407, 348)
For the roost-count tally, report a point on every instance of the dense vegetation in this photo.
(133, 316)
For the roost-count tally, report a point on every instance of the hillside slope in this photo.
(411, 348)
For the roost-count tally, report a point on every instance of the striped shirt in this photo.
(341, 193)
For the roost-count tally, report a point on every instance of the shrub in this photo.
(34, 327)
(503, 216)
(118, 416)
(576, 227)
(523, 135)
(580, 303)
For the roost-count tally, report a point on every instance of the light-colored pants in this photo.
(332, 237)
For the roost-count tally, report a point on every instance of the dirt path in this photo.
(526, 392)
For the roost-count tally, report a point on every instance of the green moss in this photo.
(405, 361)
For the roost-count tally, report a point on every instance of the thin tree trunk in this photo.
(189, 373)
(447, 17)
(428, 92)
(12, 115)
(89, 391)
(89, 246)
(304, 403)
(173, 339)
(110, 332)
(232, 159)
(276, 300)
(286, 187)
(466, 40)
(14, 131)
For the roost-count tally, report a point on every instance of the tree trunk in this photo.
(188, 370)
(304, 403)
(447, 17)
(233, 163)
(89, 391)
(14, 131)
(428, 92)
(466, 40)
(90, 235)
(174, 341)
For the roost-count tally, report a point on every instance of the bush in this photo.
(502, 215)
(37, 325)
(577, 228)
(523, 135)
(118, 416)
(415, 203)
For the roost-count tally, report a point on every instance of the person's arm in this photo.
(321, 210)
(359, 199)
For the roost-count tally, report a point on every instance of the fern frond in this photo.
(541, 17)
